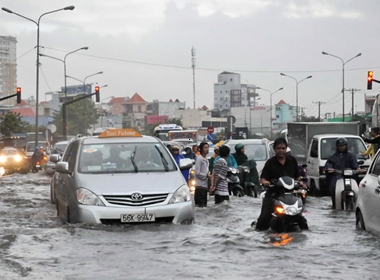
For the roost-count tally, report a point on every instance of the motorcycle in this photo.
(249, 187)
(233, 181)
(35, 167)
(346, 189)
(287, 206)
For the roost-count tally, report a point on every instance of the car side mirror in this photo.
(360, 162)
(54, 158)
(185, 163)
(62, 167)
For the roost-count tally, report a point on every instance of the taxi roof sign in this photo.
(122, 132)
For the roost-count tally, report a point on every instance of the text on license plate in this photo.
(137, 218)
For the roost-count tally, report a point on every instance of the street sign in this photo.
(231, 120)
(52, 127)
(210, 129)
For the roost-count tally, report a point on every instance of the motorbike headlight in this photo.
(17, 158)
(3, 159)
(291, 211)
(280, 210)
(348, 172)
(86, 197)
(181, 195)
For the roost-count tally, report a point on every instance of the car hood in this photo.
(153, 182)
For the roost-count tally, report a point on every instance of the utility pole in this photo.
(193, 65)
(319, 108)
(352, 90)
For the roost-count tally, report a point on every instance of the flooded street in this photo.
(220, 245)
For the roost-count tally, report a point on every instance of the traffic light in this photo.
(369, 80)
(97, 97)
(18, 91)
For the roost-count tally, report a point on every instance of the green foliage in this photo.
(80, 115)
(305, 118)
(12, 123)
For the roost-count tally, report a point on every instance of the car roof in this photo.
(335, 136)
(97, 140)
(62, 143)
(247, 141)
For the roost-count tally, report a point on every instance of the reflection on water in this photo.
(220, 244)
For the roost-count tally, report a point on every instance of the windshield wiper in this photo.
(132, 158)
(164, 161)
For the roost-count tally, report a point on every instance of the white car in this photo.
(258, 149)
(121, 176)
(368, 202)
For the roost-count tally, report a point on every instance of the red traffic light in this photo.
(18, 90)
(97, 95)
(18, 95)
(369, 79)
(97, 89)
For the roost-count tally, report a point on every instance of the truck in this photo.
(299, 134)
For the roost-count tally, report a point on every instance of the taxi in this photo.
(121, 177)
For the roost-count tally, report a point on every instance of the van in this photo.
(30, 147)
(320, 148)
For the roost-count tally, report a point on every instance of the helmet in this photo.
(239, 146)
(36, 148)
(175, 148)
(341, 141)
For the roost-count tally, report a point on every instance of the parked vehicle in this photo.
(121, 176)
(321, 147)
(288, 207)
(234, 186)
(368, 203)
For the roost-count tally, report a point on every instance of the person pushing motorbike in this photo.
(281, 164)
(341, 159)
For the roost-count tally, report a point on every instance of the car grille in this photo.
(126, 200)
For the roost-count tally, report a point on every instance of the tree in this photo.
(80, 114)
(305, 118)
(12, 123)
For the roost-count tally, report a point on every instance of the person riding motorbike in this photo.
(341, 159)
(37, 156)
(177, 156)
(189, 153)
(239, 154)
(281, 164)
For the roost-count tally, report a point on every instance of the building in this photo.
(229, 92)
(284, 113)
(8, 70)
(164, 108)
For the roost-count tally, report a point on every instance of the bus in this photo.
(161, 131)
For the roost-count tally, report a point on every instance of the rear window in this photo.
(258, 152)
(31, 146)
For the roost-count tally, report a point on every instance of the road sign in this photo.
(231, 120)
(52, 127)
(210, 129)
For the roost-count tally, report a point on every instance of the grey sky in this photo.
(144, 46)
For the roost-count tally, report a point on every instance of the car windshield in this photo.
(125, 158)
(258, 152)
(354, 145)
(31, 146)
(9, 152)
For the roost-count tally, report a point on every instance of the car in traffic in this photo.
(121, 177)
(258, 149)
(368, 202)
(58, 149)
(12, 160)
(30, 147)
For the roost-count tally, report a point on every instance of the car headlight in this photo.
(86, 197)
(3, 159)
(17, 158)
(181, 195)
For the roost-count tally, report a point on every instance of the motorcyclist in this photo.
(341, 159)
(281, 164)
(239, 154)
(177, 157)
(37, 156)
(189, 153)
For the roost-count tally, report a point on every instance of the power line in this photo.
(319, 108)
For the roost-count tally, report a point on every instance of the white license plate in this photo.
(37, 165)
(137, 218)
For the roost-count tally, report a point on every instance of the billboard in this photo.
(78, 89)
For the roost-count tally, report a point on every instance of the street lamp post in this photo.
(38, 55)
(343, 64)
(297, 82)
(270, 107)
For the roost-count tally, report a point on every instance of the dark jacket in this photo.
(240, 158)
(340, 161)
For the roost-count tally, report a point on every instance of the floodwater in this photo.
(219, 245)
